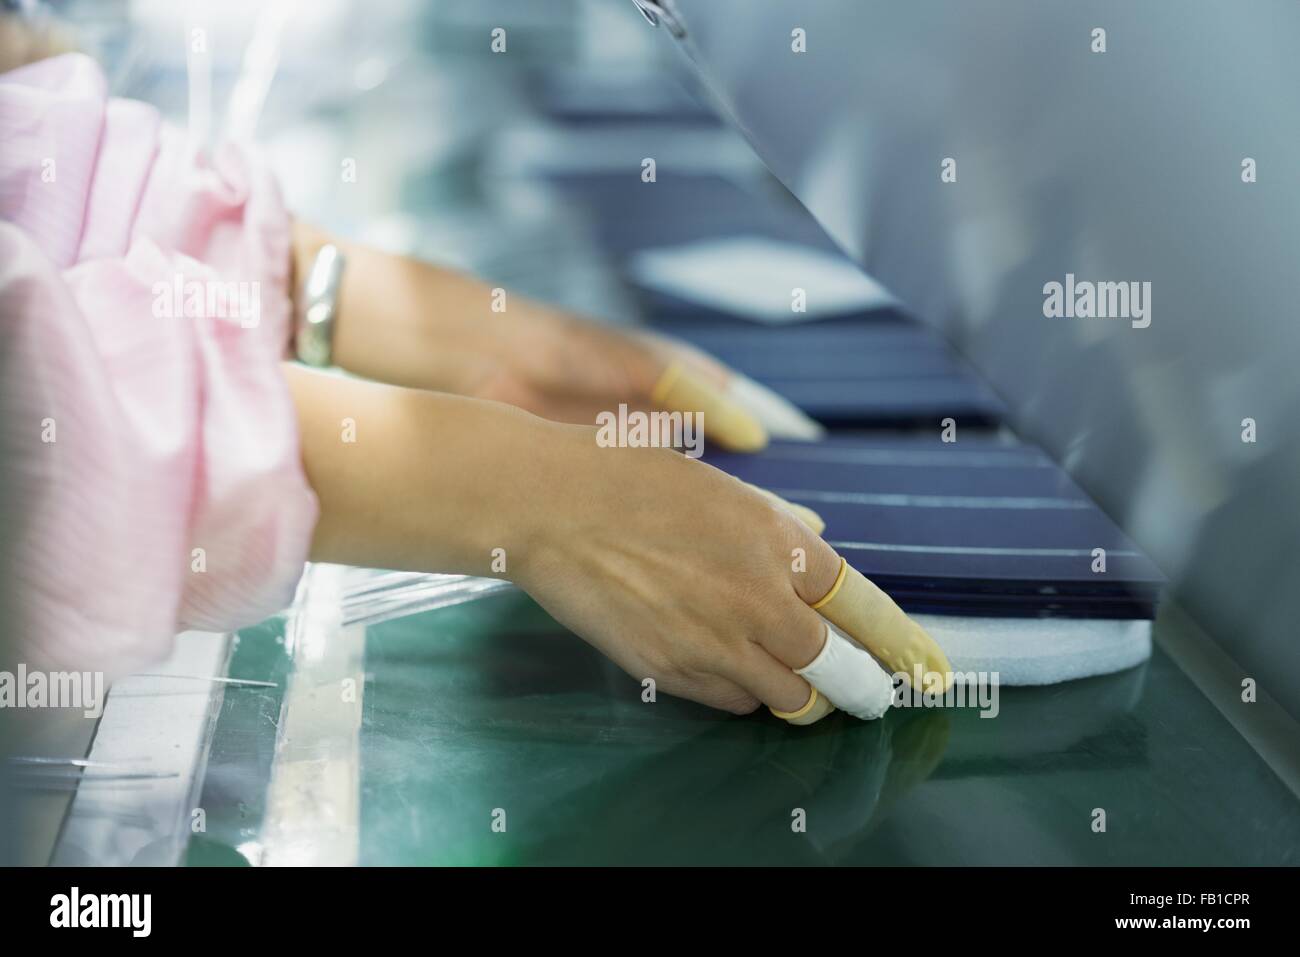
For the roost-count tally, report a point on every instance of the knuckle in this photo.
(716, 693)
(782, 527)
(797, 639)
(742, 705)
(735, 702)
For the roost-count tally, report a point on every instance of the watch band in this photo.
(316, 308)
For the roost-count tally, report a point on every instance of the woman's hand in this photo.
(681, 573)
(675, 570)
(409, 323)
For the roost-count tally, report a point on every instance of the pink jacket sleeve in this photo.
(148, 431)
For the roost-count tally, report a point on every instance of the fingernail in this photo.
(735, 428)
(778, 415)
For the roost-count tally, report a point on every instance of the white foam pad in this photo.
(1038, 651)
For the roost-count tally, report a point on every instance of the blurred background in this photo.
(450, 142)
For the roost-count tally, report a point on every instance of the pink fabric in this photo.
(173, 428)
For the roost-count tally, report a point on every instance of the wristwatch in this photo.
(316, 308)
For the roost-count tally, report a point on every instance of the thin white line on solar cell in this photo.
(896, 500)
(972, 550)
(906, 457)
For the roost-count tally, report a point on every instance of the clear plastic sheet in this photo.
(371, 596)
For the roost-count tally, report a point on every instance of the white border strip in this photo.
(159, 725)
(313, 802)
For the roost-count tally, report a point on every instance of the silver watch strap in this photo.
(317, 306)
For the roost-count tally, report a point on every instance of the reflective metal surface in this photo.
(1123, 165)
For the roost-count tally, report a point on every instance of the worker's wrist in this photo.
(551, 489)
(547, 493)
(501, 486)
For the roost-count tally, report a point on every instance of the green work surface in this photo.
(491, 707)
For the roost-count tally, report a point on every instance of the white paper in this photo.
(755, 277)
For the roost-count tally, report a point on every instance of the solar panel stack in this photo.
(873, 368)
(878, 370)
(982, 527)
(974, 531)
